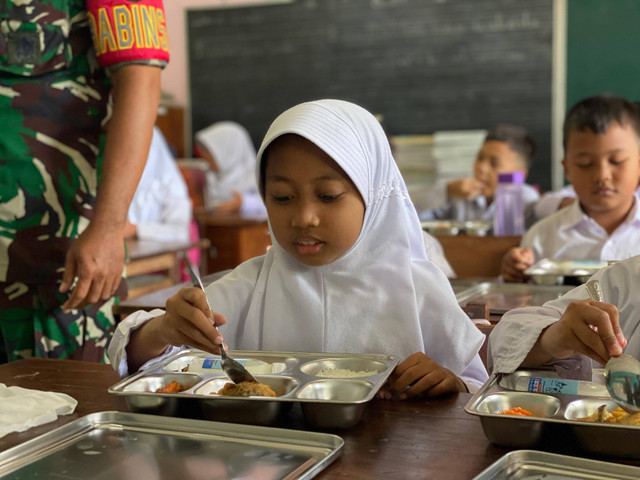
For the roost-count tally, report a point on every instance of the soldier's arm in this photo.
(97, 256)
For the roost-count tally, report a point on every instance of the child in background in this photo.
(347, 272)
(231, 182)
(161, 208)
(506, 149)
(562, 328)
(601, 138)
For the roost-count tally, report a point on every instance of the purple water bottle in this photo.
(508, 216)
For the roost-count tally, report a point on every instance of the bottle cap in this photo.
(513, 177)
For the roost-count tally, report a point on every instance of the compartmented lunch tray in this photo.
(332, 389)
(549, 271)
(554, 417)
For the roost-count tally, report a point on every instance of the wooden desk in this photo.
(471, 256)
(154, 265)
(157, 298)
(409, 439)
(234, 238)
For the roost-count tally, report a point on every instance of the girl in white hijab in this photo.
(347, 272)
(231, 182)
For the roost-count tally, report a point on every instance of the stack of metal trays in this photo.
(502, 297)
(533, 465)
(557, 272)
(555, 416)
(333, 389)
(118, 445)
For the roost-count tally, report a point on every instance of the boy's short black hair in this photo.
(516, 137)
(598, 113)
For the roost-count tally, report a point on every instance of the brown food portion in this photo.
(173, 387)
(617, 415)
(246, 389)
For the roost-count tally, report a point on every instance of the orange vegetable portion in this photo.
(173, 387)
(516, 411)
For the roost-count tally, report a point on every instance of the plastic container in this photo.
(509, 213)
(560, 385)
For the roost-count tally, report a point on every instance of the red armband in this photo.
(128, 30)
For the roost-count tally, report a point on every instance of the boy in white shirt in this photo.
(562, 328)
(601, 138)
(506, 149)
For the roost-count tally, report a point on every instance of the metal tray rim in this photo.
(38, 446)
(547, 459)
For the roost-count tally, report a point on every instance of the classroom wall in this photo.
(174, 76)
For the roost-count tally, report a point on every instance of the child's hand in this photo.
(588, 327)
(515, 262)
(418, 375)
(232, 205)
(467, 188)
(188, 321)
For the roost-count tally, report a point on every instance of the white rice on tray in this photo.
(344, 373)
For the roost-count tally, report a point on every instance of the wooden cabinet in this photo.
(171, 121)
(234, 238)
(471, 256)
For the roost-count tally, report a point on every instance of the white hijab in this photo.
(235, 156)
(382, 295)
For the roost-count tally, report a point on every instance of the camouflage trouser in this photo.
(32, 324)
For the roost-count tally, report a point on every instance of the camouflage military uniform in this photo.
(54, 99)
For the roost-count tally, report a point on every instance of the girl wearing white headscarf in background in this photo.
(347, 272)
(161, 209)
(231, 182)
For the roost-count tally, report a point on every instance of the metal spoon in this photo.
(621, 374)
(232, 368)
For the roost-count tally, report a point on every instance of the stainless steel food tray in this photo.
(474, 228)
(118, 445)
(554, 420)
(293, 376)
(534, 465)
(502, 297)
(548, 271)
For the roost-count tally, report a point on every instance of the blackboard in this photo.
(603, 41)
(425, 65)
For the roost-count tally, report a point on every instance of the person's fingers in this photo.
(95, 291)
(604, 317)
(69, 273)
(405, 365)
(219, 319)
(616, 329)
(78, 294)
(196, 337)
(436, 383)
(421, 384)
(188, 307)
(115, 283)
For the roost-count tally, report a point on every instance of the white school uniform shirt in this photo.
(550, 201)
(516, 333)
(381, 296)
(232, 149)
(161, 208)
(570, 234)
(460, 209)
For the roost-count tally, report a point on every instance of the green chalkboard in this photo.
(425, 65)
(603, 49)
